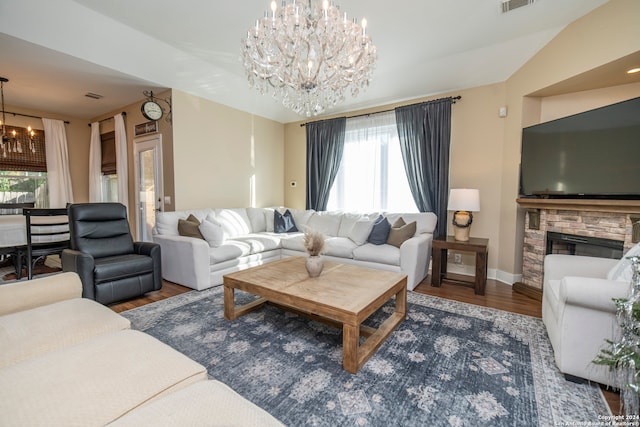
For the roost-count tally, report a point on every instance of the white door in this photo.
(147, 151)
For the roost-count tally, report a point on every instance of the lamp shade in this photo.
(464, 199)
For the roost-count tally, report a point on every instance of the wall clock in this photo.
(151, 110)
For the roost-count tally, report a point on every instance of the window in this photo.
(23, 167)
(372, 177)
(108, 159)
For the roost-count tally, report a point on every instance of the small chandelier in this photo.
(308, 54)
(12, 141)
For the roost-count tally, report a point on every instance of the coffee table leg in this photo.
(350, 338)
(229, 303)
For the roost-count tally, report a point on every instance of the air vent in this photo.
(93, 95)
(509, 5)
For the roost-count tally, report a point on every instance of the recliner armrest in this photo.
(152, 250)
(594, 293)
(83, 264)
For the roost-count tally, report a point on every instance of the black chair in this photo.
(111, 266)
(47, 234)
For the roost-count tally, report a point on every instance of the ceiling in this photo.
(58, 51)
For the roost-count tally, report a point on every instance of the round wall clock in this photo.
(151, 110)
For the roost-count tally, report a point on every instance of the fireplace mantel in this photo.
(595, 205)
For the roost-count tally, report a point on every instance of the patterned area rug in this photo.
(448, 364)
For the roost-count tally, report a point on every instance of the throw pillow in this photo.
(622, 271)
(380, 231)
(283, 223)
(212, 232)
(360, 231)
(401, 232)
(189, 227)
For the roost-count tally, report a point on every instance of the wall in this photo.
(78, 135)
(602, 36)
(225, 157)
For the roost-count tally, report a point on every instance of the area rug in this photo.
(448, 364)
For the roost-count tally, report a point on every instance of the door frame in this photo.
(144, 143)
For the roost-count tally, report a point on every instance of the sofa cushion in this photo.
(401, 232)
(301, 217)
(623, 271)
(326, 223)
(340, 247)
(257, 219)
(235, 222)
(212, 231)
(231, 249)
(284, 223)
(294, 242)
(30, 333)
(201, 404)
(380, 231)
(189, 227)
(361, 230)
(94, 382)
(260, 242)
(384, 254)
(347, 222)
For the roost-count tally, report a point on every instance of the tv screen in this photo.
(595, 154)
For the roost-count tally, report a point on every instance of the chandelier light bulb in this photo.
(308, 55)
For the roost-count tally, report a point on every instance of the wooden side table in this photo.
(439, 266)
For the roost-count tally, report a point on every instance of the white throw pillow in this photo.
(212, 231)
(622, 271)
(360, 231)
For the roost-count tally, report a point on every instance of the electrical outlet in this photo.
(457, 258)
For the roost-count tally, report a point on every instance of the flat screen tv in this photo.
(591, 155)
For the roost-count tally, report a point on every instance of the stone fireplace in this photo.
(605, 220)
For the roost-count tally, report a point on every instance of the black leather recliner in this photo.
(111, 266)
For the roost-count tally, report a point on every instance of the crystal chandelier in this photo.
(308, 54)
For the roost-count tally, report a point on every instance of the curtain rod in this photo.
(124, 113)
(453, 98)
(26, 115)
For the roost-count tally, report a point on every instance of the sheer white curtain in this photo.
(122, 169)
(58, 175)
(95, 164)
(372, 176)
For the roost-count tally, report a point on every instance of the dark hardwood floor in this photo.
(497, 295)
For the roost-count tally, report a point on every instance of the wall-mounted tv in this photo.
(595, 154)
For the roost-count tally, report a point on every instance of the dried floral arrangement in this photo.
(314, 242)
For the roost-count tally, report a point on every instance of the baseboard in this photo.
(527, 290)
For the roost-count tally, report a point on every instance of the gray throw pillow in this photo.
(380, 231)
(283, 223)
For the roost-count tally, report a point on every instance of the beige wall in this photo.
(225, 157)
(608, 33)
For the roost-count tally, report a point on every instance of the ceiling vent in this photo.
(509, 5)
(93, 95)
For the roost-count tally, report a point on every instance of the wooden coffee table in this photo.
(343, 295)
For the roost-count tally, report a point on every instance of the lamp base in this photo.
(462, 225)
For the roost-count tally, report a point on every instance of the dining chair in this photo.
(47, 234)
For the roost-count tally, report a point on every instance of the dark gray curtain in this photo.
(425, 133)
(325, 145)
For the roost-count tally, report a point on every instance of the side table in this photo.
(439, 266)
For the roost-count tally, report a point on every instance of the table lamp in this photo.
(463, 201)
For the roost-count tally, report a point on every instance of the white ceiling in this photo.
(55, 52)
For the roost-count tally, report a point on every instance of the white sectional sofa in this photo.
(245, 237)
(69, 361)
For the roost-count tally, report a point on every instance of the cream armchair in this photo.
(578, 311)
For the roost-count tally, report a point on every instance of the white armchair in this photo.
(578, 311)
